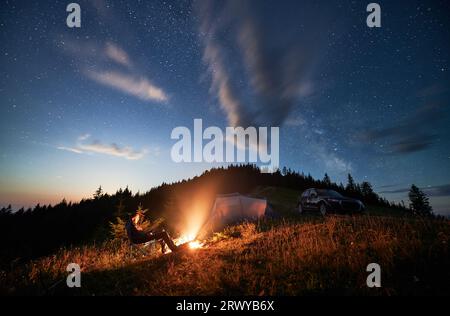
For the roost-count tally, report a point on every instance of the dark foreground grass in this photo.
(305, 256)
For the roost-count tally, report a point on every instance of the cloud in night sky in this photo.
(117, 54)
(387, 186)
(412, 134)
(277, 79)
(129, 80)
(226, 93)
(108, 149)
(139, 87)
(438, 190)
(73, 150)
(412, 144)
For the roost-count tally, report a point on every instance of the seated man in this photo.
(137, 236)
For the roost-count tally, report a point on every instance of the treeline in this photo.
(26, 234)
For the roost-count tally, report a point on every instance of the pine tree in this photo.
(327, 180)
(5, 211)
(127, 192)
(120, 208)
(367, 193)
(118, 230)
(358, 188)
(98, 193)
(420, 204)
(366, 189)
(350, 184)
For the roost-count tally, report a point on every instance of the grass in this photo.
(305, 256)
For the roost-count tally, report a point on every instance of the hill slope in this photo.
(294, 255)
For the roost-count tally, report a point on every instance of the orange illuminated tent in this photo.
(232, 208)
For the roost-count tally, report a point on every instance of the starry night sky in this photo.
(80, 107)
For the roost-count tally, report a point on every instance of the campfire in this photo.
(195, 244)
(194, 219)
(189, 239)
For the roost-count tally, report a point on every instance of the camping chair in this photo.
(142, 249)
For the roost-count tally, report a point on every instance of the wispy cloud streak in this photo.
(96, 146)
(236, 50)
(139, 87)
(438, 190)
(117, 54)
(411, 134)
(95, 62)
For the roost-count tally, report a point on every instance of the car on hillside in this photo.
(328, 201)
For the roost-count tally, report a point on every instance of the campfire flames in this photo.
(195, 244)
(190, 240)
(195, 216)
(187, 239)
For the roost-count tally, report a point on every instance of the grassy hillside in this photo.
(294, 255)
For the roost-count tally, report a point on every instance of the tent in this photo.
(232, 208)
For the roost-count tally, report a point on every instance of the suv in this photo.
(324, 201)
